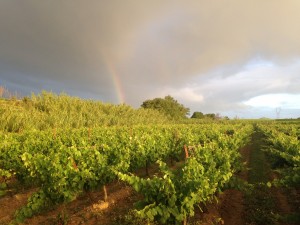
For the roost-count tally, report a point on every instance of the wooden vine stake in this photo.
(186, 151)
(189, 151)
(105, 193)
(74, 165)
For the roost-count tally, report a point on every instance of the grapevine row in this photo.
(171, 197)
(64, 163)
(284, 147)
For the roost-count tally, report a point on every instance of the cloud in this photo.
(218, 54)
(186, 94)
(286, 101)
(232, 93)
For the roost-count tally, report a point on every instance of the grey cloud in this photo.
(73, 46)
(224, 94)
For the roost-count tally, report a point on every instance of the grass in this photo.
(260, 168)
(260, 203)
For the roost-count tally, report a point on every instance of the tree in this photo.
(168, 105)
(210, 115)
(197, 115)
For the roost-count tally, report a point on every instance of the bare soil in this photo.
(15, 197)
(233, 205)
(287, 200)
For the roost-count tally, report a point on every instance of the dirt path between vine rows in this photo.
(265, 205)
(235, 207)
(232, 207)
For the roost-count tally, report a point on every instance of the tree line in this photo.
(175, 110)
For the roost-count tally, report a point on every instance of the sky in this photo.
(233, 57)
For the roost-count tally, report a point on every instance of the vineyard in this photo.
(174, 171)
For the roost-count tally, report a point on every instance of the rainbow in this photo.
(115, 79)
